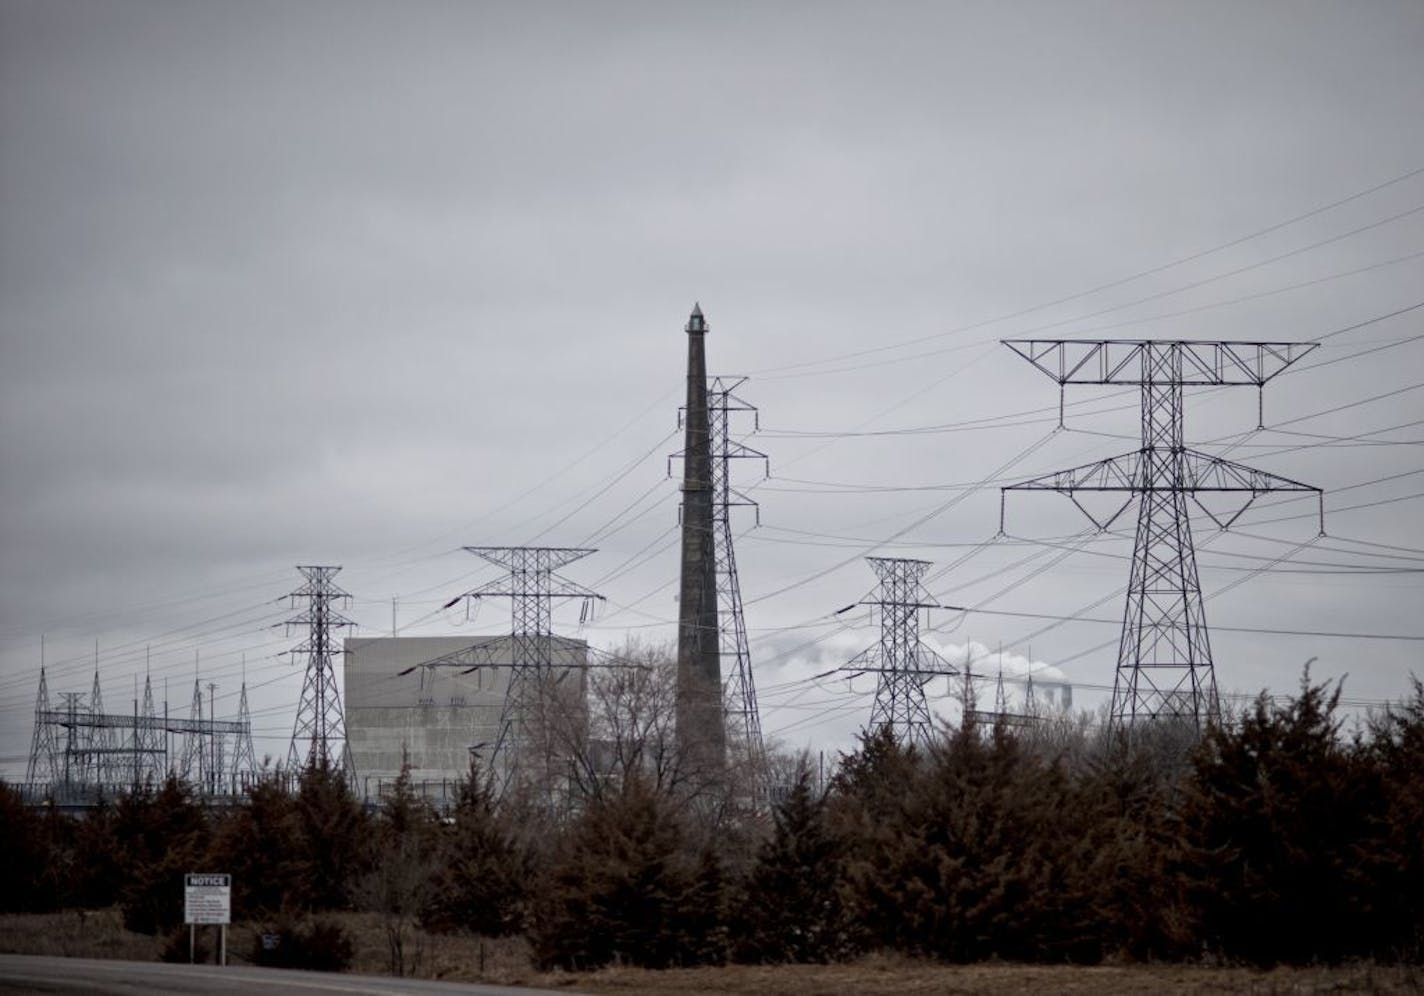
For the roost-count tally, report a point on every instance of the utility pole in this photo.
(1164, 664)
(215, 746)
(902, 664)
(531, 585)
(319, 733)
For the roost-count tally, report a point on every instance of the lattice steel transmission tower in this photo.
(531, 585)
(903, 665)
(741, 716)
(1164, 662)
(739, 699)
(44, 752)
(150, 748)
(319, 734)
(244, 761)
(102, 746)
(193, 763)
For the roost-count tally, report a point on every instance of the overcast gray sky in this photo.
(360, 283)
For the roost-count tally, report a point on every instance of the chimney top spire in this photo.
(696, 324)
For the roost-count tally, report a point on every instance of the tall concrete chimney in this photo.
(701, 733)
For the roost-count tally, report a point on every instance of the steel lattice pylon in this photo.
(1164, 662)
(902, 663)
(244, 761)
(531, 586)
(44, 765)
(194, 763)
(319, 733)
(151, 752)
(101, 743)
(743, 718)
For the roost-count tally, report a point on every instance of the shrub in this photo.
(316, 945)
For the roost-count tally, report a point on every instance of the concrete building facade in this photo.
(434, 718)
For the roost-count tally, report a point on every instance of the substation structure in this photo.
(82, 753)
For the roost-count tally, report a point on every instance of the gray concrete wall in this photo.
(433, 716)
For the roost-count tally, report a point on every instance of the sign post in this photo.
(207, 898)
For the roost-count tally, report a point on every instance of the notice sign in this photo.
(207, 898)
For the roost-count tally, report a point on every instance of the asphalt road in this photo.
(29, 974)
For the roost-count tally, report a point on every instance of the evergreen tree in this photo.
(791, 910)
(161, 836)
(705, 936)
(258, 843)
(1395, 864)
(1273, 820)
(402, 865)
(25, 843)
(331, 836)
(484, 872)
(617, 887)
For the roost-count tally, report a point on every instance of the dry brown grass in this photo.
(456, 957)
(892, 976)
(506, 961)
(76, 934)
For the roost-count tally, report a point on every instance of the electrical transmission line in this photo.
(531, 585)
(1164, 666)
(319, 733)
(902, 664)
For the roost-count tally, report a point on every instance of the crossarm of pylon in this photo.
(930, 664)
(868, 660)
(1203, 472)
(547, 557)
(1199, 472)
(604, 659)
(121, 721)
(1118, 473)
(471, 657)
(1120, 361)
(559, 587)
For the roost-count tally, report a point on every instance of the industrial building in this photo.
(402, 708)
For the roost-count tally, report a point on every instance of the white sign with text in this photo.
(207, 898)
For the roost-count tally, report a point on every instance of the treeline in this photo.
(1279, 837)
